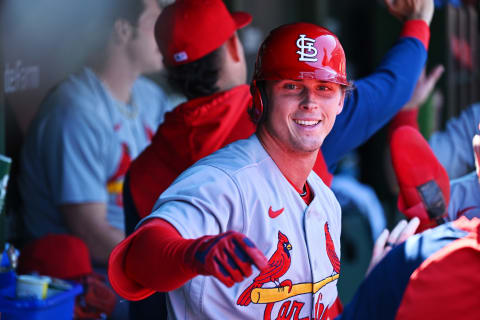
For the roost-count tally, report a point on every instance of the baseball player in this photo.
(256, 202)
(87, 131)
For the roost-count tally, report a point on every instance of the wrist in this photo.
(193, 260)
(417, 28)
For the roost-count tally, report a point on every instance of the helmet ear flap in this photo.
(258, 109)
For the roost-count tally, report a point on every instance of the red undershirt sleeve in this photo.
(155, 258)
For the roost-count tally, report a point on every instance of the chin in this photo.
(309, 148)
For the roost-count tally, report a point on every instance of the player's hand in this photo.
(424, 87)
(411, 9)
(387, 240)
(228, 257)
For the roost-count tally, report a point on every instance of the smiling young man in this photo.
(255, 202)
(215, 221)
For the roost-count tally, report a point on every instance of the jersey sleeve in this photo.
(202, 201)
(75, 159)
(453, 147)
(376, 98)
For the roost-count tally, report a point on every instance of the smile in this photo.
(307, 122)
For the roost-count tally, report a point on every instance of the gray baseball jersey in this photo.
(240, 188)
(464, 197)
(453, 146)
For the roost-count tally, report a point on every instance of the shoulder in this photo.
(228, 170)
(241, 155)
(80, 93)
(74, 104)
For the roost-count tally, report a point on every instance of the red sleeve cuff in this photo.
(417, 29)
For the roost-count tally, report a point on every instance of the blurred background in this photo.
(44, 40)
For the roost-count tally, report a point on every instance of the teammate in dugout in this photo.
(256, 202)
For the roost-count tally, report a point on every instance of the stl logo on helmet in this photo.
(307, 51)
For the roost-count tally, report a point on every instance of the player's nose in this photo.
(308, 101)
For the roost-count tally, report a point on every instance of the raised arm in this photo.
(378, 97)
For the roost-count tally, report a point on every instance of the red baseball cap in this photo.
(57, 255)
(187, 30)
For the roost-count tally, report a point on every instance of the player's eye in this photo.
(290, 86)
(323, 88)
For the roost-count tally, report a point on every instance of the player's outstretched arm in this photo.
(157, 258)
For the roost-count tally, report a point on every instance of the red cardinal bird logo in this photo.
(332, 256)
(278, 264)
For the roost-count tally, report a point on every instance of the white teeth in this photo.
(307, 123)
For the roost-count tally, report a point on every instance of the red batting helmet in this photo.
(297, 51)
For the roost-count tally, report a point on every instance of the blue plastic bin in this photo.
(56, 307)
(8, 281)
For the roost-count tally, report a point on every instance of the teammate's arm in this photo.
(377, 97)
(423, 89)
(88, 221)
(387, 240)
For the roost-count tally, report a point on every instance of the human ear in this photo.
(123, 30)
(233, 46)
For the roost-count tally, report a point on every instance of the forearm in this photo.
(88, 221)
(156, 257)
(101, 242)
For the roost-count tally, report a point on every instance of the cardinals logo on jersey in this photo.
(259, 292)
(278, 264)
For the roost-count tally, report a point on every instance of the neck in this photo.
(117, 74)
(226, 82)
(294, 165)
